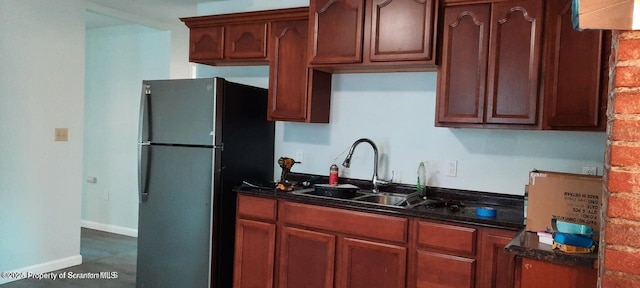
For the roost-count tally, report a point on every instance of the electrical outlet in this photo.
(452, 168)
(590, 170)
(92, 179)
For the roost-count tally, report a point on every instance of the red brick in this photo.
(625, 156)
(627, 234)
(625, 208)
(627, 103)
(622, 261)
(619, 280)
(628, 49)
(627, 76)
(626, 130)
(623, 181)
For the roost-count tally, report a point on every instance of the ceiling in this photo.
(103, 13)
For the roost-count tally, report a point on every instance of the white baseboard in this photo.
(109, 228)
(22, 273)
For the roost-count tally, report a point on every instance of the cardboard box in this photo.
(606, 14)
(572, 198)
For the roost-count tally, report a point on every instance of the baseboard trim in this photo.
(109, 228)
(41, 268)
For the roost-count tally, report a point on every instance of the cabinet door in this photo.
(441, 270)
(246, 41)
(288, 71)
(336, 31)
(254, 254)
(463, 71)
(306, 258)
(369, 264)
(497, 267)
(537, 273)
(514, 62)
(573, 65)
(399, 30)
(206, 43)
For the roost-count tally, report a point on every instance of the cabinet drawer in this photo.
(448, 237)
(343, 221)
(257, 208)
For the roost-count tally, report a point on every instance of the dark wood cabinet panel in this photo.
(535, 273)
(296, 93)
(359, 35)
(306, 258)
(370, 264)
(257, 208)
(206, 44)
(462, 73)
(246, 41)
(254, 254)
(573, 88)
(453, 238)
(288, 71)
(519, 64)
(235, 38)
(361, 224)
(497, 268)
(514, 61)
(441, 270)
(400, 30)
(336, 29)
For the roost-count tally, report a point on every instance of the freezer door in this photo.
(175, 220)
(179, 111)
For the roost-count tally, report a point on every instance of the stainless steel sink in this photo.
(382, 199)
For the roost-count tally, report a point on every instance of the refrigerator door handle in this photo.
(144, 132)
(143, 170)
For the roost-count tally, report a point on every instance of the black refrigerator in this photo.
(198, 138)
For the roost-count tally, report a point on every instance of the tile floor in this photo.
(101, 252)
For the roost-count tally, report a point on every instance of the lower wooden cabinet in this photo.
(442, 270)
(255, 242)
(281, 243)
(444, 255)
(498, 266)
(363, 263)
(306, 258)
(535, 273)
(254, 254)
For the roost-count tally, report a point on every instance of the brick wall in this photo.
(620, 242)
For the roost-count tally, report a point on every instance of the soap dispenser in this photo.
(421, 185)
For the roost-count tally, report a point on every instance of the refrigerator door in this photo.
(179, 111)
(174, 228)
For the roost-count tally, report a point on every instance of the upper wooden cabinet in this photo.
(496, 71)
(348, 35)
(576, 72)
(490, 64)
(275, 37)
(296, 93)
(235, 39)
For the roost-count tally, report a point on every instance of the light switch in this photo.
(62, 134)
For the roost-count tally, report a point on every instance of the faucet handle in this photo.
(383, 182)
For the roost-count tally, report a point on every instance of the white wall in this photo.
(396, 110)
(118, 58)
(41, 88)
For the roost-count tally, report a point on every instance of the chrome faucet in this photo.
(376, 181)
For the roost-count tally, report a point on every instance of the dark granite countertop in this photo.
(509, 208)
(526, 245)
